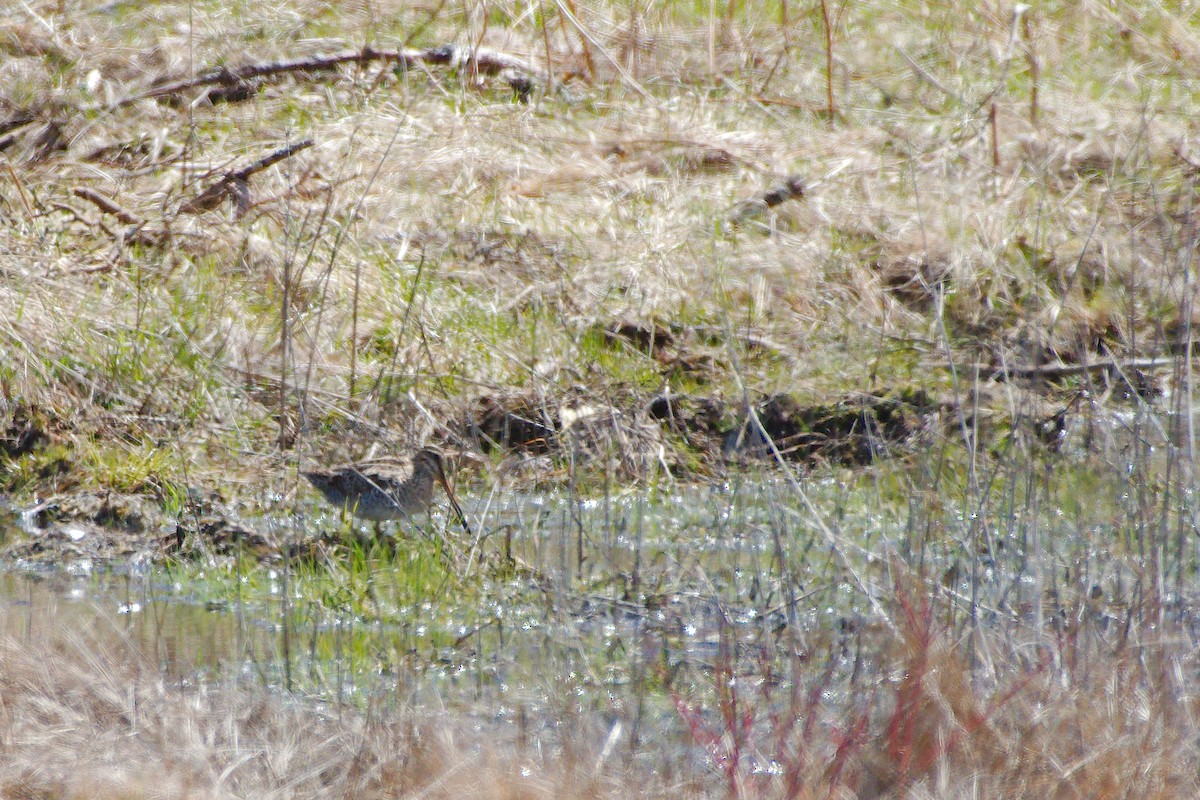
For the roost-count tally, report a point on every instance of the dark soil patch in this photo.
(701, 421)
(104, 525)
(586, 430)
(496, 252)
(647, 337)
(632, 437)
(854, 431)
(699, 352)
(914, 278)
(22, 434)
(512, 424)
(99, 525)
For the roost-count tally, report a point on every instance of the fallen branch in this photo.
(480, 59)
(10, 129)
(749, 210)
(1058, 371)
(236, 184)
(107, 205)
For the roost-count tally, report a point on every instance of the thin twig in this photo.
(570, 15)
(566, 11)
(829, 107)
(20, 189)
(1035, 68)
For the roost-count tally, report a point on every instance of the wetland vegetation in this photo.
(818, 381)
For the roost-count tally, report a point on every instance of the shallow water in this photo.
(627, 587)
(627, 603)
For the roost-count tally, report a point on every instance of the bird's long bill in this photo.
(462, 518)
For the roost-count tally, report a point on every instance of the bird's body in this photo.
(387, 488)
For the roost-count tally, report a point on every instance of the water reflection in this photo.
(595, 597)
(187, 639)
(609, 591)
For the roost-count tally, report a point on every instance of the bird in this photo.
(387, 488)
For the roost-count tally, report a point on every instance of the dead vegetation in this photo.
(89, 715)
(1087, 712)
(229, 243)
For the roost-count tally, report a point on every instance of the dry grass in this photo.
(442, 240)
(89, 715)
(1091, 714)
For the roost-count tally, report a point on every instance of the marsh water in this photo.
(596, 610)
(616, 606)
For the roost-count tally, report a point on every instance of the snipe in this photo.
(387, 488)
